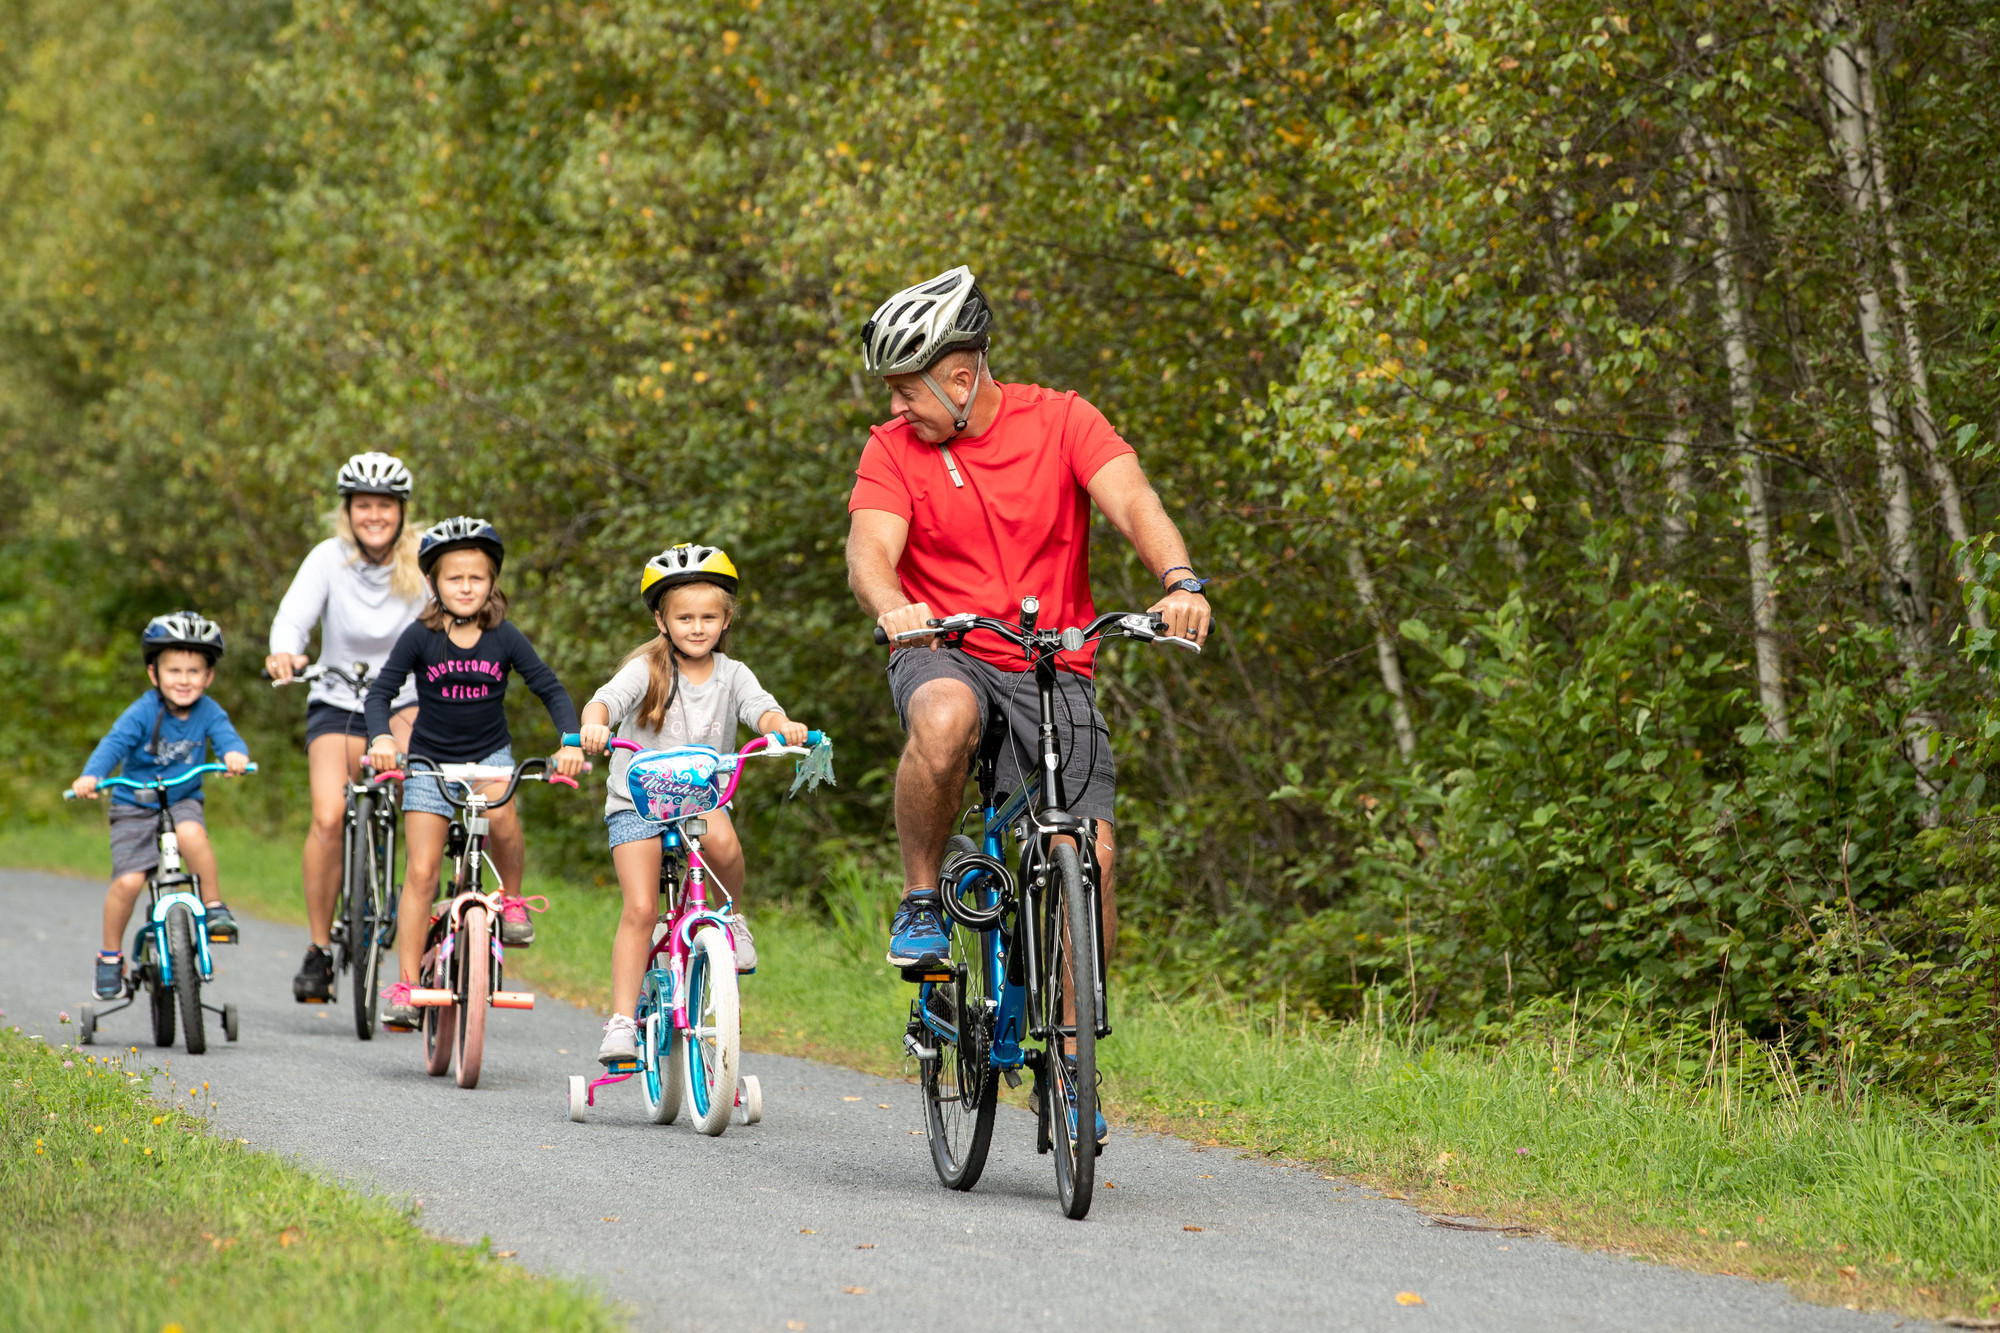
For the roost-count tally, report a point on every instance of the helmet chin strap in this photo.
(960, 415)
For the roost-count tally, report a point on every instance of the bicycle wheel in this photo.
(186, 966)
(713, 1042)
(159, 997)
(662, 1080)
(364, 915)
(1070, 983)
(475, 963)
(960, 1086)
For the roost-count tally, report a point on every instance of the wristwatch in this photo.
(1186, 585)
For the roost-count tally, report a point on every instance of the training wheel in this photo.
(579, 1098)
(750, 1096)
(86, 1026)
(229, 1025)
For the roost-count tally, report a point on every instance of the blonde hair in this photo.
(663, 660)
(404, 577)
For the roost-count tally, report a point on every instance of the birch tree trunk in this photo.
(1706, 154)
(1903, 588)
(1679, 519)
(1915, 359)
(1385, 651)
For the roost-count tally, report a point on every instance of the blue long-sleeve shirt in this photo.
(178, 745)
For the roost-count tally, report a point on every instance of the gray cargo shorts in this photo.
(135, 834)
(1090, 774)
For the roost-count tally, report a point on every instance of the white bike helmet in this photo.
(912, 329)
(374, 474)
(181, 629)
(456, 534)
(686, 563)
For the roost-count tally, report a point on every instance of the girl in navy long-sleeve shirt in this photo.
(461, 651)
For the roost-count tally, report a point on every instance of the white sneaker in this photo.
(746, 948)
(621, 1040)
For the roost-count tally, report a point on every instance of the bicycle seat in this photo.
(669, 785)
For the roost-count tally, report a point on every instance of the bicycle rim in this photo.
(475, 963)
(1071, 972)
(362, 916)
(660, 1080)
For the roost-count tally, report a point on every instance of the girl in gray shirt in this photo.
(677, 689)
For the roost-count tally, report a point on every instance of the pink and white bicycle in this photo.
(689, 1016)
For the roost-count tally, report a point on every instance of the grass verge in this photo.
(1873, 1207)
(124, 1214)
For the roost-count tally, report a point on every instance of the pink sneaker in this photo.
(398, 1014)
(516, 930)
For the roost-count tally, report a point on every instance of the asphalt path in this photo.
(826, 1216)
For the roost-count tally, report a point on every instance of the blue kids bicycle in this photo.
(170, 949)
(1026, 961)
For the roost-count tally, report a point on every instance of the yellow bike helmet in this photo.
(686, 563)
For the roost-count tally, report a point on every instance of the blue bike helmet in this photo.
(458, 534)
(181, 629)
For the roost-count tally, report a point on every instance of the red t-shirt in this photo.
(1020, 525)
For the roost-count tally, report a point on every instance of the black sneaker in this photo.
(221, 925)
(110, 977)
(314, 983)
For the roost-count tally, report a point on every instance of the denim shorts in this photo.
(623, 826)
(421, 790)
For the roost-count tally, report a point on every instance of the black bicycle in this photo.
(364, 918)
(1015, 969)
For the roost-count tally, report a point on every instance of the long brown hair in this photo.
(663, 660)
(492, 613)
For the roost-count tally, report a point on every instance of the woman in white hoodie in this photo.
(362, 588)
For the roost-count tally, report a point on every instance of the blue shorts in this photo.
(623, 826)
(421, 790)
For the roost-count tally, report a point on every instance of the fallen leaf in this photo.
(855, 1291)
(1108, 1185)
(885, 1106)
(869, 1245)
(611, 1219)
(1847, 1270)
(850, 1099)
(795, 1324)
(503, 1254)
(1742, 1244)
(807, 1231)
(288, 1238)
(1408, 1298)
(1190, 1228)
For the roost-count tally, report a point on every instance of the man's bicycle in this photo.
(689, 1017)
(364, 918)
(1026, 961)
(170, 949)
(461, 975)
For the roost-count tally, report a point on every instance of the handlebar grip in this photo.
(881, 637)
(567, 782)
(249, 768)
(69, 793)
(815, 737)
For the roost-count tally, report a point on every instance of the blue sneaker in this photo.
(110, 976)
(1103, 1130)
(918, 931)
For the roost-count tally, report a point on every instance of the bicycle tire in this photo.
(1071, 972)
(712, 1059)
(475, 963)
(358, 881)
(186, 966)
(961, 1089)
(662, 1080)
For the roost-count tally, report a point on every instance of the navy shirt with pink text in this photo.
(462, 692)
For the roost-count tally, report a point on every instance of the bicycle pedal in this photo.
(1013, 1077)
(622, 1067)
(929, 968)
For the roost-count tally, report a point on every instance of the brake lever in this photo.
(1178, 642)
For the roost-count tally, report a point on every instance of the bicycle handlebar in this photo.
(162, 784)
(355, 677)
(418, 766)
(760, 745)
(1142, 625)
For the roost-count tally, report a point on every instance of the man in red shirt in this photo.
(975, 495)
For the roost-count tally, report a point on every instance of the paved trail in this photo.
(775, 1226)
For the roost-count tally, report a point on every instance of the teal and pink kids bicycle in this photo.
(170, 959)
(690, 1035)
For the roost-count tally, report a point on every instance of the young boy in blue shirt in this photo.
(168, 728)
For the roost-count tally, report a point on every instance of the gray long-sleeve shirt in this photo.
(359, 615)
(704, 714)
